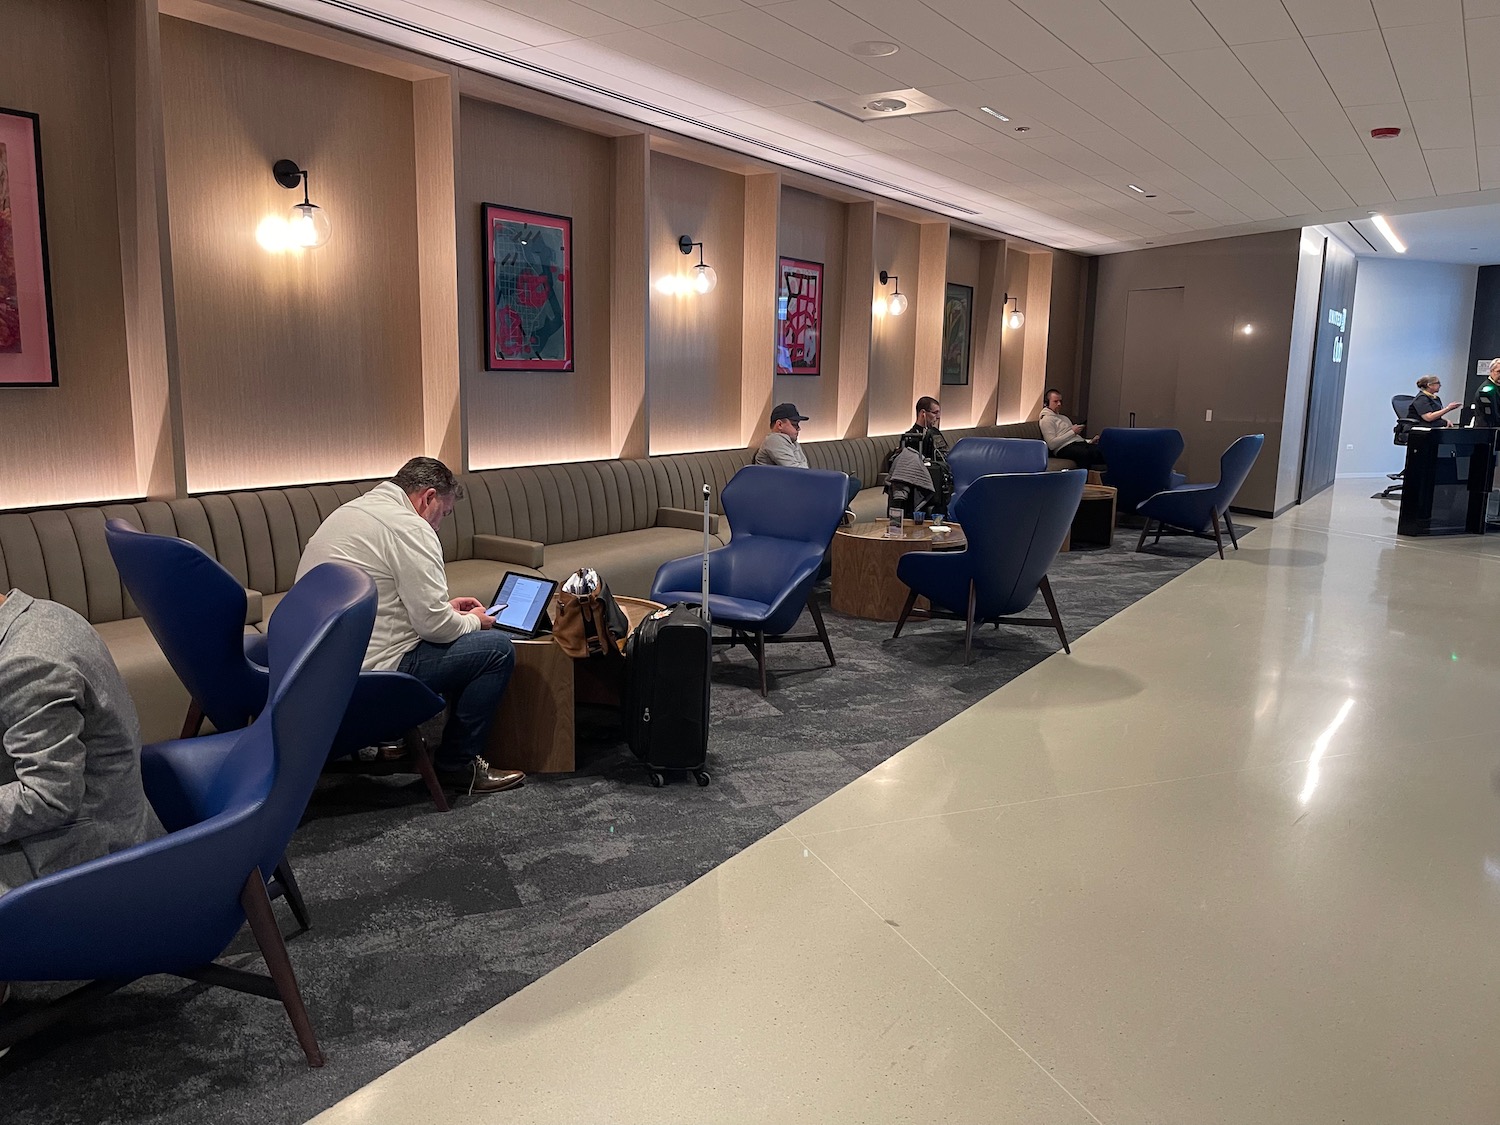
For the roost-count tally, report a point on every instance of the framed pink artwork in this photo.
(28, 354)
(799, 317)
(528, 290)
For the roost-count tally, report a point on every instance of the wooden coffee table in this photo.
(533, 729)
(864, 566)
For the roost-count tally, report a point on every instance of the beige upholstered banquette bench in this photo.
(624, 518)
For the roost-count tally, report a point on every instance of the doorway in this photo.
(1148, 381)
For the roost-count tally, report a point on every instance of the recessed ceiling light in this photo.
(1023, 128)
(886, 105)
(873, 49)
(993, 113)
(1388, 234)
(1132, 187)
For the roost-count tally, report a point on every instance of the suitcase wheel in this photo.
(657, 779)
(702, 776)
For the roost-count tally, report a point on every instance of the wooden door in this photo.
(1148, 383)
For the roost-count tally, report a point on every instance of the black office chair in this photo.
(1399, 403)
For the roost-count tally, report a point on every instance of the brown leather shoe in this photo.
(481, 777)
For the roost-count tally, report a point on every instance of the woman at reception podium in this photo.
(1427, 408)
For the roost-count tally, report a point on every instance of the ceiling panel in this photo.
(1408, 13)
(1357, 175)
(910, 21)
(1025, 95)
(565, 19)
(1453, 170)
(1248, 21)
(636, 13)
(706, 7)
(652, 48)
(1443, 123)
(1086, 26)
(1431, 61)
(1097, 96)
(1167, 26)
(1489, 166)
(1159, 88)
(1329, 17)
(1012, 32)
(828, 23)
(769, 37)
(1315, 181)
(1486, 120)
(1272, 135)
(1357, 67)
(1287, 72)
(709, 43)
(1222, 81)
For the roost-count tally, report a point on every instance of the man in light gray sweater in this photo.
(1063, 438)
(70, 774)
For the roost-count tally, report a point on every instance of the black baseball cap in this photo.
(787, 411)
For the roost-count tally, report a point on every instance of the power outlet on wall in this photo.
(1208, 415)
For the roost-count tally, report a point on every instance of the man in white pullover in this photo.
(391, 533)
(1063, 438)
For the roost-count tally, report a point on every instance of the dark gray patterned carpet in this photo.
(422, 921)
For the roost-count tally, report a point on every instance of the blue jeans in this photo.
(471, 673)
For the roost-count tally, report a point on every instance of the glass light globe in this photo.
(704, 279)
(898, 304)
(878, 306)
(1015, 319)
(308, 225)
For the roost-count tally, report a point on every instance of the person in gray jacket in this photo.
(70, 774)
(1063, 438)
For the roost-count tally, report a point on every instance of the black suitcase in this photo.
(668, 661)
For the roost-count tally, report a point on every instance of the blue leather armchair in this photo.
(172, 905)
(781, 521)
(196, 611)
(973, 457)
(1015, 525)
(1193, 507)
(1138, 463)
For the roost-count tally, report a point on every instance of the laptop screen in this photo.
(520, 602)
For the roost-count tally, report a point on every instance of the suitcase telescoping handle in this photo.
(706, 616)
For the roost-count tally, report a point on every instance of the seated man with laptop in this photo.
(451, 644)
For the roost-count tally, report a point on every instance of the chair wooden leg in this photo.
(1218, 539)
(760, 658)
(194, 721)
(1145, 531)
(969, 627)
(817, 616)
(292, 893)
(1160, 527)
(1229, 527)
(263, 925)
(1046, 588)
(911, 600)
(417, 746)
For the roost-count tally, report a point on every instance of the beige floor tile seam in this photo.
(1432, 545)
(946, 979)
(1154, 782)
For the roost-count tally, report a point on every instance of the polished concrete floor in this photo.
(1236, 860)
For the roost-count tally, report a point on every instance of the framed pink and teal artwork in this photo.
(528, 290)
(28, 353)
(799, 317)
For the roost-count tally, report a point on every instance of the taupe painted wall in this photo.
(299, 366)
(693, 385)
(812, 227)
(1227, 283)
(516, 417)
(54, 63)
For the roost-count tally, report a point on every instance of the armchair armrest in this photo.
(687, 519)
(254, 609)
(502, 548)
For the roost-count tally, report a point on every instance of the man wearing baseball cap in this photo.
(780, 446)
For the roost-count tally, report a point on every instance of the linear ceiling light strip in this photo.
(614, 95)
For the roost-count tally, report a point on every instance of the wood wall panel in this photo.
(962, 269)
(893, 339)
(813, 228)
(629, 295)
(927, 304)
(435, 121)
(72, 442)
(1013, 341)
(758, 306)
(296, 366)
(529, 417)
(856, 332)
(1065, 327)
(696, 339)
(989, 330)
(1037, 301)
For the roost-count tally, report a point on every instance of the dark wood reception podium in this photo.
(1449, 475)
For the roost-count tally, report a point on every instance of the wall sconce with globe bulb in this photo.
(305, 227)
(896, 303)
(703, 278)
(1015, 317)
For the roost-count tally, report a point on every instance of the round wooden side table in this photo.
(864, 566)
